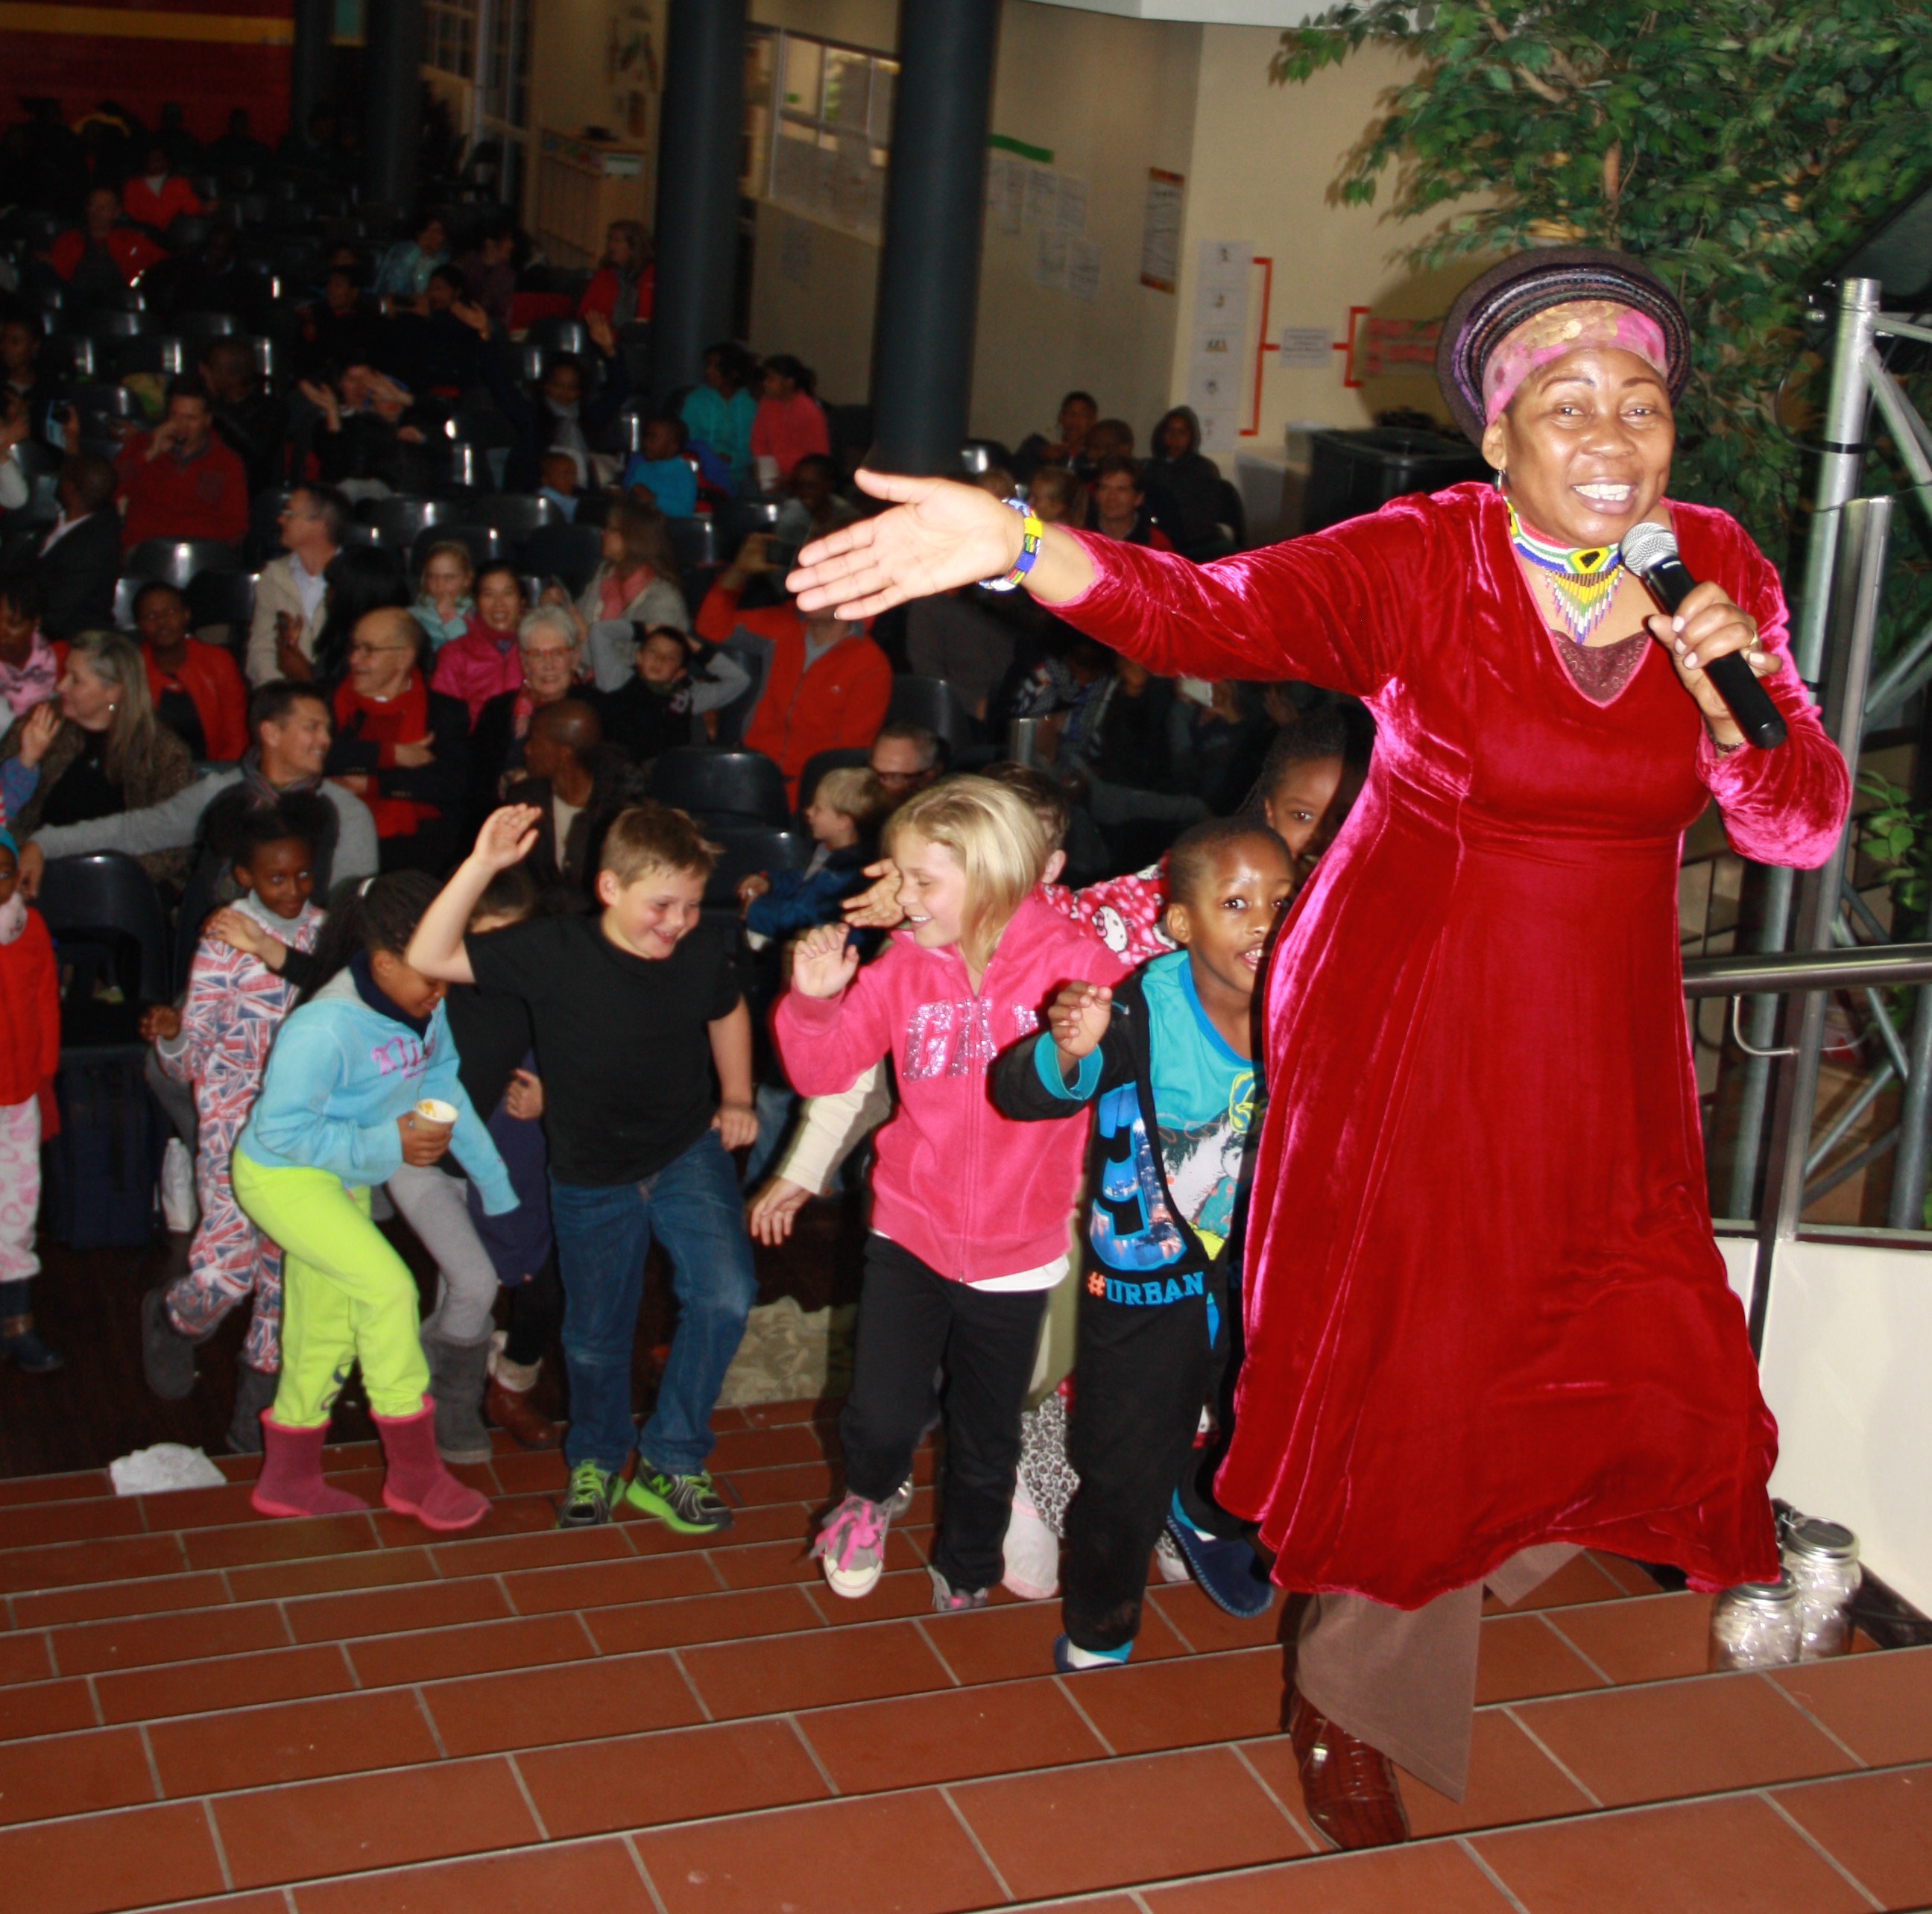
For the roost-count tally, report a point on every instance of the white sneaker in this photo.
(851, 1546)
(1032, 1552)
(1169, 1559)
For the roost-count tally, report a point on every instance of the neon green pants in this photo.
(347, 1296)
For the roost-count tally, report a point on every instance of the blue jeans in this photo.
(693, 1206)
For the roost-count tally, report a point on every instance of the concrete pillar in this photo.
(935, 202)
(391, 105)
(700, 149)
(308, 61)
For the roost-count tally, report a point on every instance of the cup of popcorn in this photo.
(434, 1110)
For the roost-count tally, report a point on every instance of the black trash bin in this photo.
(1353, 472)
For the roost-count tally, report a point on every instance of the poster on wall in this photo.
(1083, 270)
(1042, 197)
(1219, 351)
(1160, 231)
(1071, 213)
(1049, 258)
(1306, 349)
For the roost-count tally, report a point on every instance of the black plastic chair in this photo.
(196, 329)
(697, 545)
(730, 789)
(109, 896)
(741, 518)
(160, 353)
(840, 758)
(115, 324)
(99, 399)
(933, 703)
(514, 514)
(401, 521)
(223, 598)
(178, 560)
(742, 851)
(486, 547)
(568, 552)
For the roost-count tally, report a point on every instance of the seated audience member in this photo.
(828, 685)
(720, 411)
(635, 583)
(444, 598)
(109, 755)
(560, 416)
(360, 579)
(369, 444)
(815, 507)
(102, 256)
(402, 748)
(561, 479)
(550, 649)
(158, 196)
(1120, 505)
(577, 788)
(29, 669)
(1106, 438)
(237, 150)
(342, 329)
(678, 678)
(1184, 488)
(404, 269)
(1063, 446)
(209, 278)
(180, 480)
(660, 470)
(15, 490)
(252, 425)
(904, 758)
(1219, 746)
(484, 663)
(789, 423)
(489, 277)
(195, 688)
(438, 351)
(289, 727)
(844, 818)
(621, 289)
(21, 375)
(290, 590)
(80, 558)
(1057, 497)
(312, 147)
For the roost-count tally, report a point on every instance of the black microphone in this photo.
(1650, 551)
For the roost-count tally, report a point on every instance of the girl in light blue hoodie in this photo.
(342, 1107)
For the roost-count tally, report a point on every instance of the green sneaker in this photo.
(586, 1503)
(686, 1503)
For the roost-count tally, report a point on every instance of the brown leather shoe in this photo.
(1349, 1787)
(512, 1409)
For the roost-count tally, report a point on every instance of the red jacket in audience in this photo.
(176, 200)
(208, 676)
(838, 699)
(170, 497)
(784, 431)
(132, 251)
(478, 666)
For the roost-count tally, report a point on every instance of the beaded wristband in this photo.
(1030, 533)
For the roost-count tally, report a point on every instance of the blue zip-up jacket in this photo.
(339, 1076)
(798, 900)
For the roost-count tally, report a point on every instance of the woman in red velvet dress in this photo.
(1487, 1323)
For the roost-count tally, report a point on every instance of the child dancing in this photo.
(217, 1041)
(342, 1107)
(971, 1211)
(29, 1055)
(1168, 1059)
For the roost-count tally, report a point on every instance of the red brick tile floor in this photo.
(199, 1710)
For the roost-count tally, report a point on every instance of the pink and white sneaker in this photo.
(851, 1546)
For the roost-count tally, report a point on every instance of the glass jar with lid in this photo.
(1757, 1624)
(1823, 1558)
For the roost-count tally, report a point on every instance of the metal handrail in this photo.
(1883, 966)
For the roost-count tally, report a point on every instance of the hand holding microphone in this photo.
(1717, 653)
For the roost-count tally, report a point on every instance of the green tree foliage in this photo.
(1738, 146)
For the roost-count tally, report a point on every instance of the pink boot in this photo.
(290, 1483)
(417, 1483)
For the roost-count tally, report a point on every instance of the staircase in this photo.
(204, 1710)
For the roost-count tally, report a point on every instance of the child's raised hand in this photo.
(877, 907)
(506, 836)
(164, 1020)
(1078, 1018)
(240, 932)
(43, 725)
(823, 962)
(737, 1125)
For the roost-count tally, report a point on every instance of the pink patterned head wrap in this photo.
(1548, 335)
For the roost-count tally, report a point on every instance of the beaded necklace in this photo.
(1583, 582)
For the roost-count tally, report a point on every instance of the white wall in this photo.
(1847, 1370)
(814, 288)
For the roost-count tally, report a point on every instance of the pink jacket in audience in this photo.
(478, 666)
